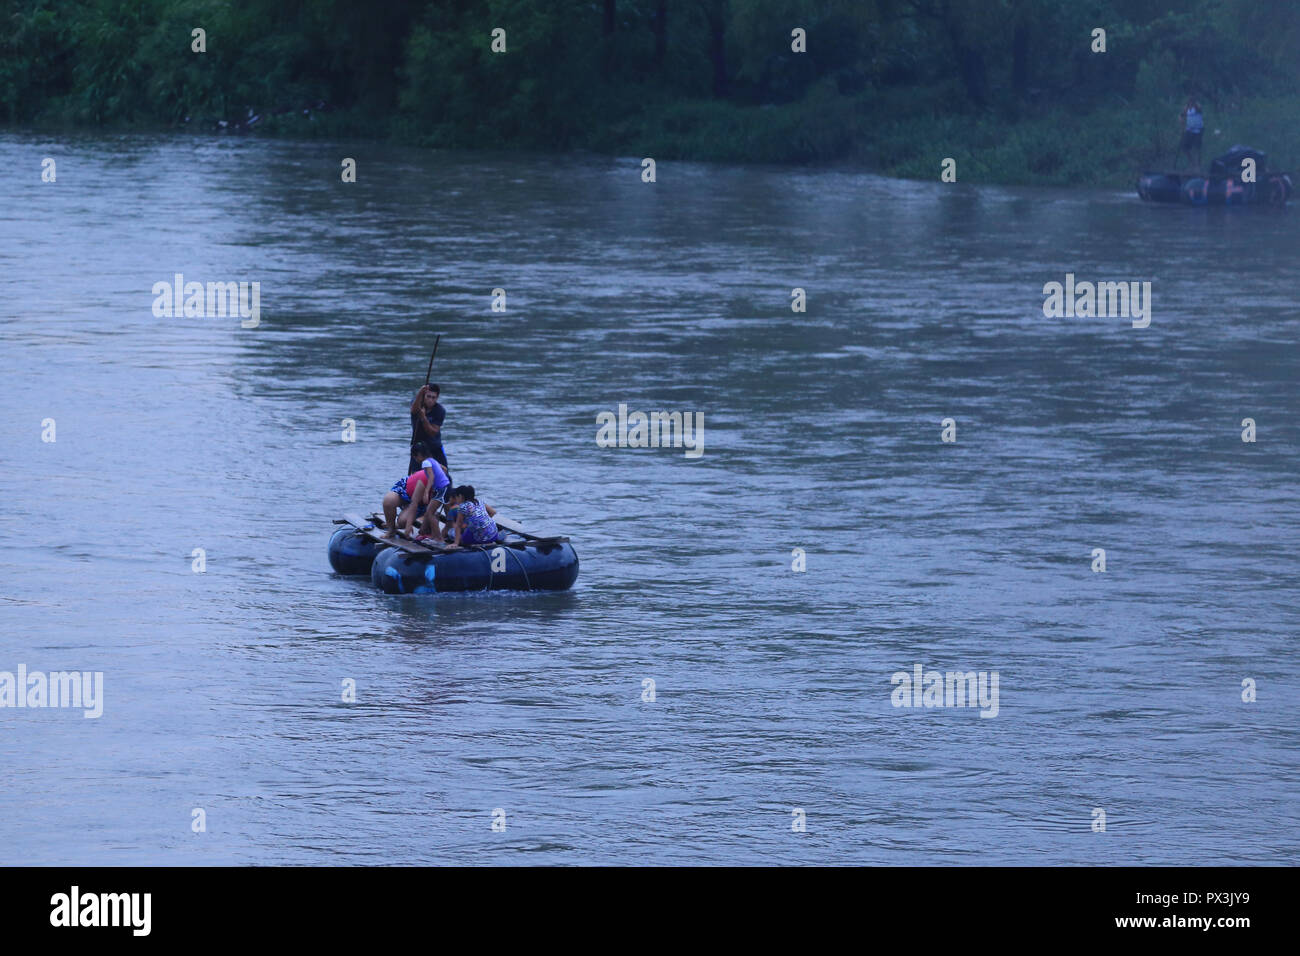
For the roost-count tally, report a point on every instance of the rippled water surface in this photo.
(222, 690)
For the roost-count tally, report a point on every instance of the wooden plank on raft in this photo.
(373, 527)
(402, 543)
(509, 524)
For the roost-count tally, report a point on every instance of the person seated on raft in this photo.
(431, 529)
(413, 495)
(469, 522)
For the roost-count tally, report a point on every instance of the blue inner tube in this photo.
(1194, 190)
(1160, 187)
(352, 552)
(535, 566)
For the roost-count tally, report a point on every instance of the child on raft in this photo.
(468, 521)
(413, 495)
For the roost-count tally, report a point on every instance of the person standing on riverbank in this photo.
(1193, 123)
(427, 416)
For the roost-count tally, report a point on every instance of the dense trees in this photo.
(688, 76)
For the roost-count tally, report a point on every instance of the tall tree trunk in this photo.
(969, 60)
(975, 75)
(608, 55)
(661, 31)
(1020, 58)
(717, 17)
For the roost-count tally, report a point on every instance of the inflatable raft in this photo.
(412, 567)
(506, 566)
(1225, 186)
(1272, 189)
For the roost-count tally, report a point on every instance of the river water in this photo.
(1119, 692)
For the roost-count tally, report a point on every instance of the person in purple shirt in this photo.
(418, 495)
(468, 521)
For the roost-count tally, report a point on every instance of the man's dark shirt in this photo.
(435, 416)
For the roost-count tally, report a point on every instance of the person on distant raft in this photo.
(1193, 126)
(468, 521)
(413, 494)
(427, 416)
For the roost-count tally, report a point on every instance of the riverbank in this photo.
(1022, 94)
(1057, 147)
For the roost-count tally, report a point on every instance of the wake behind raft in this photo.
(1229, 183)
(401, 566)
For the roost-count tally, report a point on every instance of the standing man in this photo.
(1193, 126)
(427, 415)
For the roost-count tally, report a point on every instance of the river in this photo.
(770, 733)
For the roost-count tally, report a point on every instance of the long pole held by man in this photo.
(427, 416)
(429, 373)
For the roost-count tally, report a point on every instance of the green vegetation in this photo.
(1010, 88)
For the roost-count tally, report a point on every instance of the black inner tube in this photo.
(511, 551)
(521, 566)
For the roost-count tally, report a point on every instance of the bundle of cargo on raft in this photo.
(1237, 178)
(517, 561)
